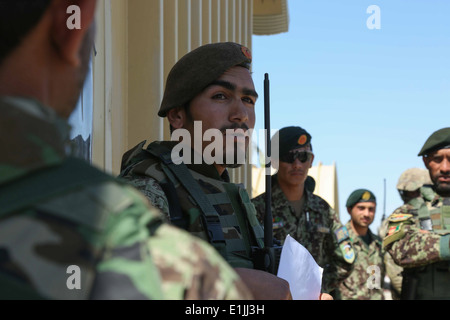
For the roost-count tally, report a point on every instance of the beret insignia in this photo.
(366, 196)
(302, 140)
(247, 53)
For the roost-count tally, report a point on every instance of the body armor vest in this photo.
(217, 211)
(432, 281)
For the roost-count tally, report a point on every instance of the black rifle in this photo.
(269, 258)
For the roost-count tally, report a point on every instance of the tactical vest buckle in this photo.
(214, 228)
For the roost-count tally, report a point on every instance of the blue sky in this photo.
(369, 98)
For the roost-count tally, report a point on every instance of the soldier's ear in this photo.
(426, 161)
(177, 117)
(71, 20)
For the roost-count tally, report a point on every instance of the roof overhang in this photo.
(270, 17)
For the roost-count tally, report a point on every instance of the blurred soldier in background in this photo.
(419, 240)
(414, 187)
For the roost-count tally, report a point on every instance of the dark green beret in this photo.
(290, 138)
(438, 140)
(198, 69)
(360, 195)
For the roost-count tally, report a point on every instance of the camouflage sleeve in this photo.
(193, 270)
(152, 191)
(412, 247)
(126, 267)
(393, 270)
(170, 260)
(341, 254)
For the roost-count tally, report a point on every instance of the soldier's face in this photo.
(363, 213)
(226, 104)
(438, 164)
(294, 173)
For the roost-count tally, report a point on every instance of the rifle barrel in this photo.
(268, 223)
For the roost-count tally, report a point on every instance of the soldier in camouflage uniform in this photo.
(68, 230)
(304, 216)
(208, 89)
(418, 239)
(366, 280)
(414, 187)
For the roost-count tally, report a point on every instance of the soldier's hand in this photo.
(265, 286)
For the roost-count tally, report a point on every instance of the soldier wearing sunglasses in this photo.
(304, 216)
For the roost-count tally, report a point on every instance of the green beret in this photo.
(438, 140)
(290, 138)
(198, 69)
(360, 195)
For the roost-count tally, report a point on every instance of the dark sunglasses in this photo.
(302, 156)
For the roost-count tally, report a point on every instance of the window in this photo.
(81, 121)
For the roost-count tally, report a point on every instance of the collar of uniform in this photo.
(357, 239)
(207, 170)
(277, 193)
(31, 135)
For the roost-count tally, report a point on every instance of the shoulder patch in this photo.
(345, 245)
(399, 217)
(394, 233)
(347, 251)
(341, 234)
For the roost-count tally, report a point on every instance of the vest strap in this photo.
(211, 217)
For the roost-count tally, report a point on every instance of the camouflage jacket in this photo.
(97, 239)
(419, 241)
(171, 192)
(317, 228)
(410, 243)
(393, 270)
(366, 280)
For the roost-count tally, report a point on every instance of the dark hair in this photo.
(17, 19)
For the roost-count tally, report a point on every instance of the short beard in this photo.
(442, 189)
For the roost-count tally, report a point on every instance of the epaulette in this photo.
(400, 217)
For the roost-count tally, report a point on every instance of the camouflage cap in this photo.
(199, 68)
(360, 195)
(290, 138)
(438, 140)
(412, 179)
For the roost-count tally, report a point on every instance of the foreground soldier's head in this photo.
(40, 56)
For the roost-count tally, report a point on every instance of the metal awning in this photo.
(270, 17)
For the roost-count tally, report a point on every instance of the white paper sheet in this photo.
(298, 267)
